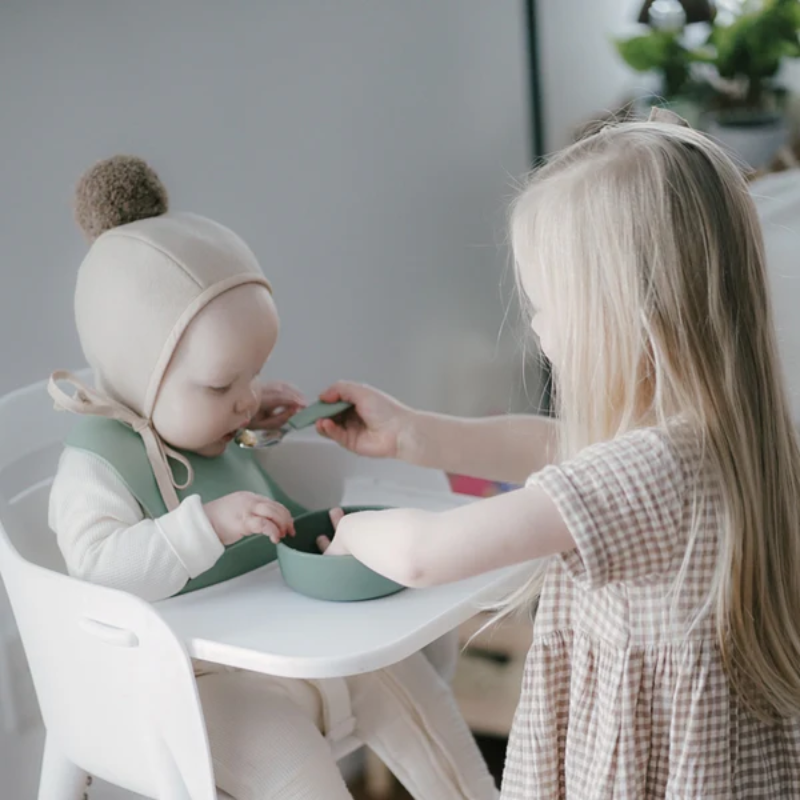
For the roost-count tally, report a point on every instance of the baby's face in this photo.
(209, 390)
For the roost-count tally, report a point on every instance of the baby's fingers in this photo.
(254, 523)
(278, 418)
(290, 395)
(277, 515)
(272, 531)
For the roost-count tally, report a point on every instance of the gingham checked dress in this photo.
(617, 700)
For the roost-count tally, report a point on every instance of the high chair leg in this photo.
(59, 778)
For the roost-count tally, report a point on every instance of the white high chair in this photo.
(115, 685)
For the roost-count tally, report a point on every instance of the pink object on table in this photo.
(477, 487)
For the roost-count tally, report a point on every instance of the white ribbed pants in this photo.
(266, 740)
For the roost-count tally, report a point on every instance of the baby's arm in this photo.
(420, 548)
(106, 539)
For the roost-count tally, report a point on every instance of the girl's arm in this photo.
(508, 448)
(420, 548)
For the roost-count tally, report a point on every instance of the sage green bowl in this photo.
(338, 578)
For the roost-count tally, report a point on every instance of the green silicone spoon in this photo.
(258, 439)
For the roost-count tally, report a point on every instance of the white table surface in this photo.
(256, 622)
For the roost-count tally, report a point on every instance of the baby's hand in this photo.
(335, 547)
(240, 514)
(278, 402)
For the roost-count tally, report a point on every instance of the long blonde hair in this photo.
(649, 255)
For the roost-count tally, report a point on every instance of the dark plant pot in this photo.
(753, 137)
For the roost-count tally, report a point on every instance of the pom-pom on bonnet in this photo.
(148, 273)
(116, 191)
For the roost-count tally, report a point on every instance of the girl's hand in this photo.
(241, 514)
(279, 402)
(391, 542)
(335, 547)
(378, 426)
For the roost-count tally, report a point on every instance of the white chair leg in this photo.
(59, 778)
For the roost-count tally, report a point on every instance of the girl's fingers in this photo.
(331, 430)
(341, 390)
(330, 548)
(331, 394)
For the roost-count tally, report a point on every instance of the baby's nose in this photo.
(248, 404)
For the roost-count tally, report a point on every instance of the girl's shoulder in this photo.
(627, 502)
(672, 452)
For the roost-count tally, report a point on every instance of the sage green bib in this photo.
(235, 470)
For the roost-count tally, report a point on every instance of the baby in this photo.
(177, 321)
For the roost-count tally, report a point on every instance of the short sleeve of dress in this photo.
(622, 502)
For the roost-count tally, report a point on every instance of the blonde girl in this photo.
(666, 652)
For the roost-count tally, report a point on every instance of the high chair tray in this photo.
(256, 622)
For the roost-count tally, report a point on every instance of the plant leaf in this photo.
(643, 53)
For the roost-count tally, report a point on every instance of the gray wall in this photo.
(581, 72)
(366, 151)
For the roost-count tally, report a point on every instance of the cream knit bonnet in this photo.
(147, 274)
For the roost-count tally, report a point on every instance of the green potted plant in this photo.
(664, 49)
(746, 52)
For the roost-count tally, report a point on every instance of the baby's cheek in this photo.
(180, 423)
